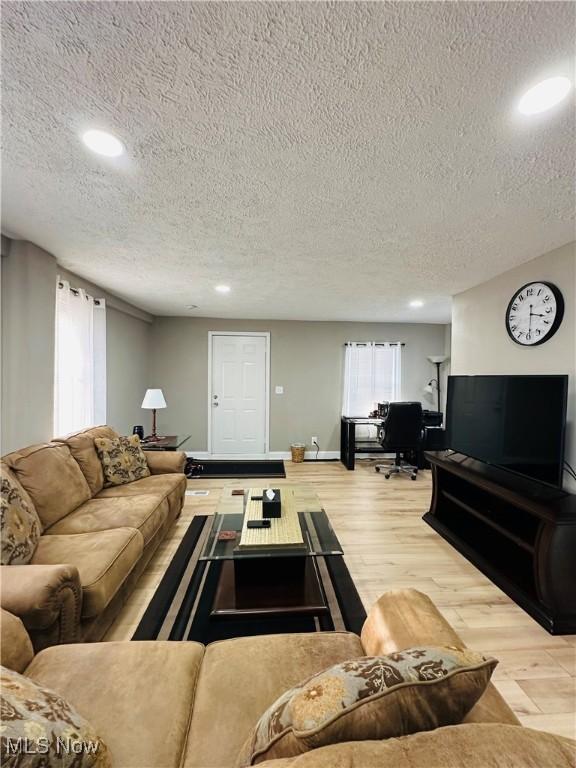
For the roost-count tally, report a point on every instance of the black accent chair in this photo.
(402, 434)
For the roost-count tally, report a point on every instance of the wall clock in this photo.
(534, 313)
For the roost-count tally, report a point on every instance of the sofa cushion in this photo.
(122, 459)
(104, 559)
(19, 522)
(137, 695)
(163, 484)
(473, 745)
(373, 697)
(145, 512)
(42, 717)
(82, 448)
(52, 478)
(241, 678)
(16, 650)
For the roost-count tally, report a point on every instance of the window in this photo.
(80, 360)
(372, 374)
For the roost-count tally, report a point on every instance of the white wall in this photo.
(481, 345)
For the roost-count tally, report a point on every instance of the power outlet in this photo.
(314, 440)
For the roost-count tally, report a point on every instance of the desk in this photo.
(433, 438)
(167, 443)
(348, 446)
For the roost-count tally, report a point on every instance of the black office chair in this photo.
(402, 435)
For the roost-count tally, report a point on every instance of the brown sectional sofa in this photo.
(180, 704)
(95, 541)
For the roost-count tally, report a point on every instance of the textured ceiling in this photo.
(327, 161)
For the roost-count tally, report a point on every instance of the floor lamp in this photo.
(437, 360)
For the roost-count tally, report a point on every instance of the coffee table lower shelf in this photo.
(273, 586)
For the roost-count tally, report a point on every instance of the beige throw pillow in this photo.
(19, 524)
(373, 697)
(122, 458)
(40, 729)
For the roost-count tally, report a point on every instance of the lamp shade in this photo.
(154, 399)
(438, 358)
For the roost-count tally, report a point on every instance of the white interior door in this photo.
(238, 398)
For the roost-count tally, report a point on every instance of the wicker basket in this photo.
(298, 450)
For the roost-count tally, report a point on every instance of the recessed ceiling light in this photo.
(544, 95)
(103, 143)
(416, 303)
(222, 288)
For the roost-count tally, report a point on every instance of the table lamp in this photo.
(153, 399)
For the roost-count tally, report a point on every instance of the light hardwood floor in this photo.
(387, 545)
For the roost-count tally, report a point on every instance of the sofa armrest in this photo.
(402, 618)
(47, 598)
(165, 462)
(16, 650)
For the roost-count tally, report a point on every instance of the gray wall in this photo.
(128, 349)
(29, 277)
(306, 359)
(480, 343)
(28, 305)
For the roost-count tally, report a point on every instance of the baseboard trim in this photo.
(272, 455)
(227, 456)
(287, 456)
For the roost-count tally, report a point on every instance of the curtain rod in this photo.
(376, 343)
(76, 292)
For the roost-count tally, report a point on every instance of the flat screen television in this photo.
(517, 423)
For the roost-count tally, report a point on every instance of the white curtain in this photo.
(372, 374)
(80, 360)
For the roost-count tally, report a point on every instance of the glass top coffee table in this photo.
(270, 579)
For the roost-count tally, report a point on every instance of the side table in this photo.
(167, 443)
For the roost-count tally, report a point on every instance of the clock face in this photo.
(534, 314)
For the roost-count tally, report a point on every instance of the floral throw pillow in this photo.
(122, 459)
(373, 697)
(19, 525)
(40, 729)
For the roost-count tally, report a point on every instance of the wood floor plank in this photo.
(563, 724)
(388, 546)
(566, 657)
(551, 696)
(531, 635)
(517, 698)
(498, 615)
(526, 664)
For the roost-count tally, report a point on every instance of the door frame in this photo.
(266, 335)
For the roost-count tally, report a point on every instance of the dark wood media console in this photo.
(521, 534)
